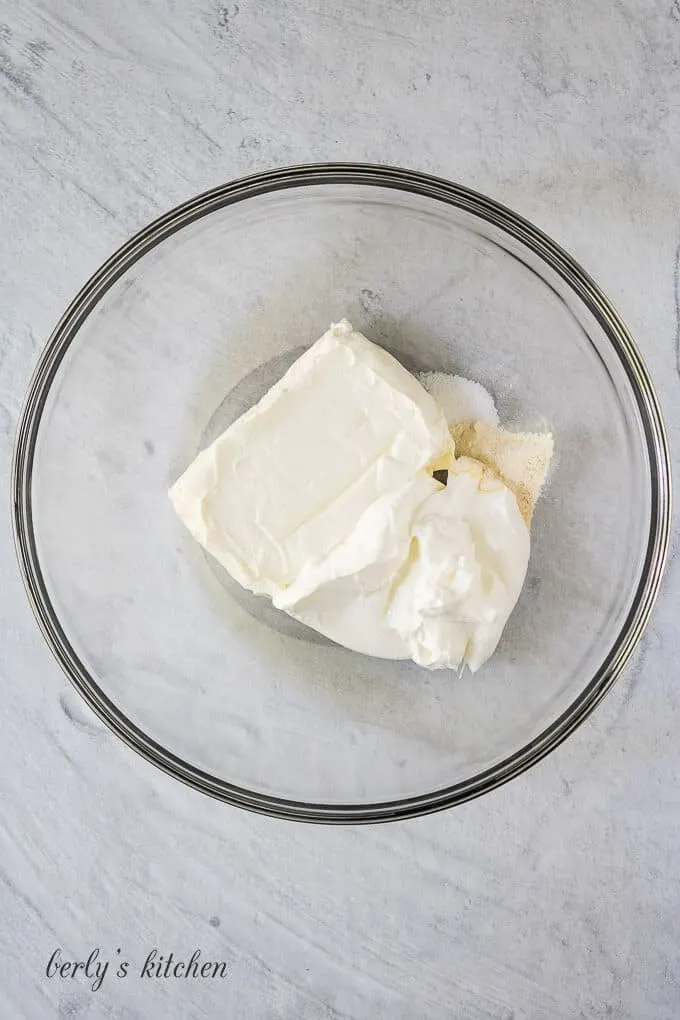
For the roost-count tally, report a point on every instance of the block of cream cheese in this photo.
(288, 481)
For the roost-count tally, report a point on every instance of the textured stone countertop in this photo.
(557, 896)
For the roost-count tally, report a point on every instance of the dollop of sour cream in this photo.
(467, 564)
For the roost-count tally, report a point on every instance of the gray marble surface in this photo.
(559, 895)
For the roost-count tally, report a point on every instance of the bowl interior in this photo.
(191, 335)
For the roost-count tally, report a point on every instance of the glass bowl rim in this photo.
(448, 193)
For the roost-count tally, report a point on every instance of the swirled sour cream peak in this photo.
(468, 560)
(322, 497)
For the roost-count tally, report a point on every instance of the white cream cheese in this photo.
(321, 496)
(288, 481)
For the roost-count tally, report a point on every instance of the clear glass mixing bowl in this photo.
(189, 324)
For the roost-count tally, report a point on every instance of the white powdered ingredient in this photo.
(460, 399)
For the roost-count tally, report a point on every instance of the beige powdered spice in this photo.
(521, 459)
